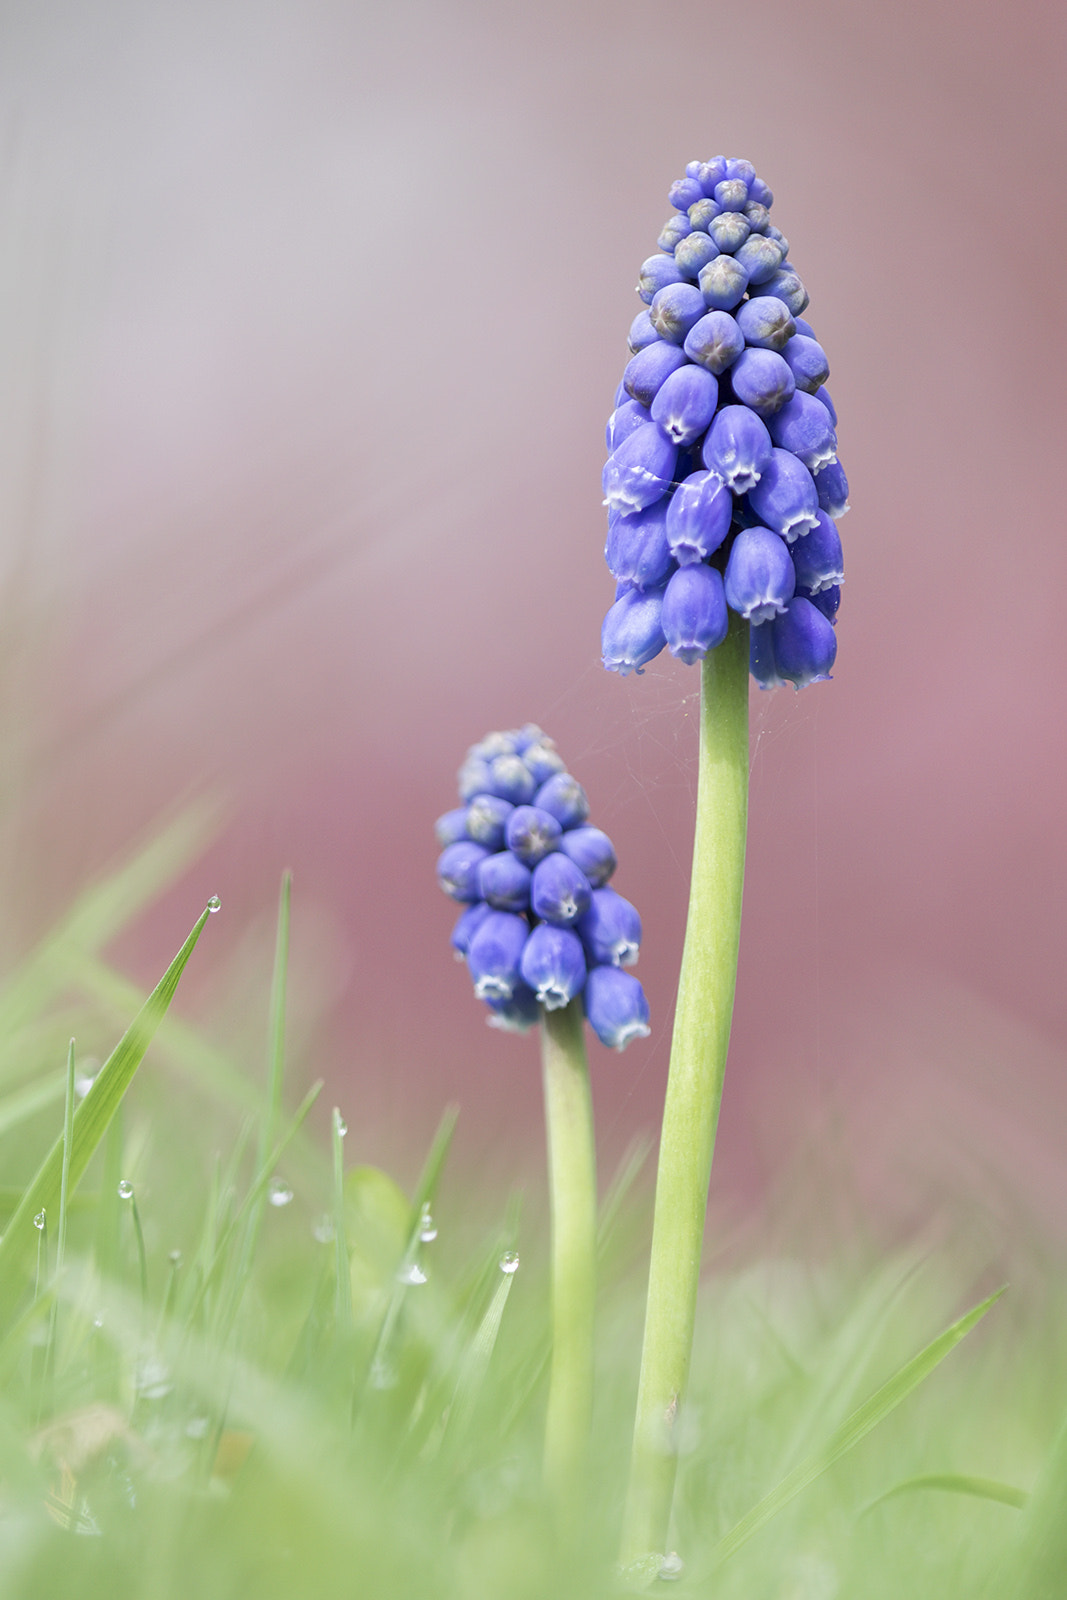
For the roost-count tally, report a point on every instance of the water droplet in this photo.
(214, 904)
(322, 1228)
(342, 1126)
(98, 1321)
(39, 1221)
(125, 1189)
(412, 1273)
(671, 1567)
(175, 1259)
(509, 1261)
(427, 1227)
(278, 1192)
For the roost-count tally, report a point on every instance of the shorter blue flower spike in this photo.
(632, 632)
(640, 471)
(685, 404)
(655, 274)
(504, 881)
(591, 850)
(803, 426)
(831, 487)
(694, 612)
(532, 833)
(615, 1007)
(518, 1014)
(457, 869)
(486, 816)
(785, 499)
(452, 827)
(537, 918)
(738, 447)
(564, 798)
(698, 517)
(553, 964)
(610, 930)
(637, 550)
(817, 557)
(494, 953)
(805, 643)
(467, 925)
(760, 579)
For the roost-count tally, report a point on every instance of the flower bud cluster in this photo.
(722, 481)
(540, 924)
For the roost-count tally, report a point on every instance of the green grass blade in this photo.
(343, 1285)
(91, 1120)
(22, 1103)
(430, 1176)
(1006, 1494)
(854, 1428)
(276, 1067)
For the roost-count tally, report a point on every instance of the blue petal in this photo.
(553, 964)
(615, 1007)
(694, 612)
(632, 634)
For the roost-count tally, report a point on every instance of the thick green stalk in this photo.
(572, 1190)
(694, 1089)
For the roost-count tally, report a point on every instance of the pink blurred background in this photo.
(312, 317)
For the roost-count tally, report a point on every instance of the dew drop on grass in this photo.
(125, 1189)
(412, 1274)
(39, 1221)
(214, 904)
(278, 1192)
(175, 1259)
(342, 1127)
(509, 1261)
(322, 1228)
(427, 1226)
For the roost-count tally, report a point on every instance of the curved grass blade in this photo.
(91, 1121)
(854, 1428)
(1006, 1494)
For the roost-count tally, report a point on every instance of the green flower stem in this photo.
(572, 1189)
(694, 1089)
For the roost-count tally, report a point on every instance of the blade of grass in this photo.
(854, 1428)
(343, 1273)
(1005, 1494)
(91, 1121)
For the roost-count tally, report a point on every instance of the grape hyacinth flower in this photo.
(724, 368)
(722, 485)
(521, 858)
(546, 940)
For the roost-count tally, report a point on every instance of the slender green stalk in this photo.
(694, 1089)
(572, 1189)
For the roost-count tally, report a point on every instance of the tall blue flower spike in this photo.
(539, 924)
(722, 451)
